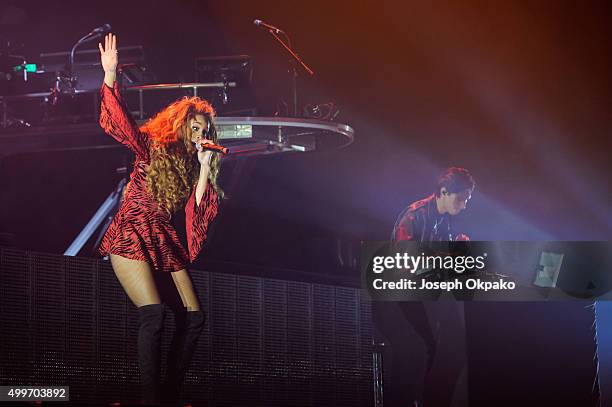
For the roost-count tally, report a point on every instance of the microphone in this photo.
(213, 147)
(98, 31)
(261, 24)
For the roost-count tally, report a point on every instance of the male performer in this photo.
(425, 352)
(430, 219)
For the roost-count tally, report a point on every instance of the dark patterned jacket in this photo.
(421, 222)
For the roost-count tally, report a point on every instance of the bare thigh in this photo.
(137, 280)
(184, 286)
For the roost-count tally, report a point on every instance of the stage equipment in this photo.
(14, 69)
(10, 62)
(82, 70)
(43, 108)
(105, 213)
(65, 87)
(295, 59)
(236, 69)
(322, 111)
(244, 136)
(156, 101)
(268, 27)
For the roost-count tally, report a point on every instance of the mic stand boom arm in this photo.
(71, 75)
(297, 59)
(95, 34)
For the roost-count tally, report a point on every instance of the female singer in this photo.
(173, 169)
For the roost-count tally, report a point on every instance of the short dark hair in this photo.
(455, 179)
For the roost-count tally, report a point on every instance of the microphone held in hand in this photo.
(212, 147)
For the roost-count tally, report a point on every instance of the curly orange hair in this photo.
(174, 166)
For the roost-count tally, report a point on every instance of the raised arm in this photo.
(115, 118)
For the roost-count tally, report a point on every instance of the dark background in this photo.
(518, 92)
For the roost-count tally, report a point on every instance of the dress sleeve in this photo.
(117, 122)
(199, 217)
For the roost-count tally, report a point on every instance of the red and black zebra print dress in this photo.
(140, 229)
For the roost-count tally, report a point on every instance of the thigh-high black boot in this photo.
(150, 320)
(189, 326)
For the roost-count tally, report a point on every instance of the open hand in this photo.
(108, 53)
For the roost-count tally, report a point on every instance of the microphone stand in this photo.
(86, 38)
(296, 58)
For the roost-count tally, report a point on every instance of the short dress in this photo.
(141, 230)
